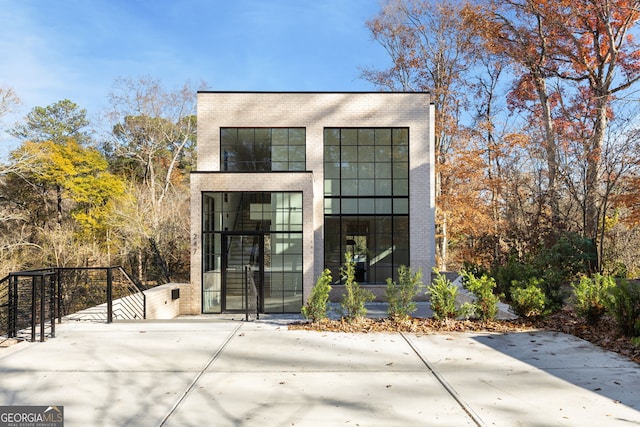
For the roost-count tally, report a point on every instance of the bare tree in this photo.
(153, 142)
(8, 101)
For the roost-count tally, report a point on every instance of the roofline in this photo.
(307, 92)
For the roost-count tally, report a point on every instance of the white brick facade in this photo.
(314, 112)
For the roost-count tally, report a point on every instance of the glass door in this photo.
(243, 271)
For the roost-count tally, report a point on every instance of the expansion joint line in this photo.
(197, 378)
(452, 392)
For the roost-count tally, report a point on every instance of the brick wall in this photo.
(315, 111)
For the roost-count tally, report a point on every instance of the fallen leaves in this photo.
(413, 325)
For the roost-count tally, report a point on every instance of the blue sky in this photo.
(75, 49)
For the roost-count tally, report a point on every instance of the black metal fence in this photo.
(31, 301)
(100, 293)
(28, 300)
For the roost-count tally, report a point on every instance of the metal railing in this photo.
(100, 294)
(252, 298)
(28, 300)
(35, 297)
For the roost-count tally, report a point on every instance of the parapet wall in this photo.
(168, 301)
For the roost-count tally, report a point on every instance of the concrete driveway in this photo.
(212, 372)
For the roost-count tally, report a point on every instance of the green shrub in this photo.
(442, 297)
(556, 287)
(528, 299)
(558, 265)
(316, 307)
(624, 306)
(477, 269)
(512, 271)
(592, 296)
(355, 297)
(485, 306)
(400, 295)
(570, 257)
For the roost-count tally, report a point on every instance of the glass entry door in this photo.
(243, 271)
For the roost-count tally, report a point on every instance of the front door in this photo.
(243, 271)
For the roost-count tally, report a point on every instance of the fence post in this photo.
(13, 306)
(52, 304)
(109, 295)
(33, 308)
(43, 315)
(59, 297)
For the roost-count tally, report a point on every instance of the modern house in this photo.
(288, 182)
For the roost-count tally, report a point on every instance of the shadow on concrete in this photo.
(573, 360)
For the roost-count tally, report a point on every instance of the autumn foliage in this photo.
(536, 136)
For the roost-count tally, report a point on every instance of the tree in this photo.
(152, 142)
(56, 122)
(620, 213)
(431, 50)
(137, 227)
(588, 46)
(85, 191)
(485, 130)
(597, 48)
(61, 187)
(524, 43)
(8, 101)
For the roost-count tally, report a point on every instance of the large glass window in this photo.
(366, 200)
(262, 149)
(259, 229)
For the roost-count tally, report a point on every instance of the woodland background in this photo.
(537, 146)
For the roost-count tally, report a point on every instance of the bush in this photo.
(557, 265)
(477, 269)
(624, 306)
(442, 297)
(355, 297)
(400, 295)
(485, 307)
(316, 307)
(570, 257)
(592, 296)
(512, 271)
(528, 299)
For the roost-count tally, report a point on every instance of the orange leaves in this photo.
(517, 140)
(463, 202)
(577, 39)
(630, 199)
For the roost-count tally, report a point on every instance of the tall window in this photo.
(366, 200)
(260, 229)
(262, 149)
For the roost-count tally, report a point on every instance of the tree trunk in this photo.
(551, 150)
(593, 157)
(160, 260)
(140, 269)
